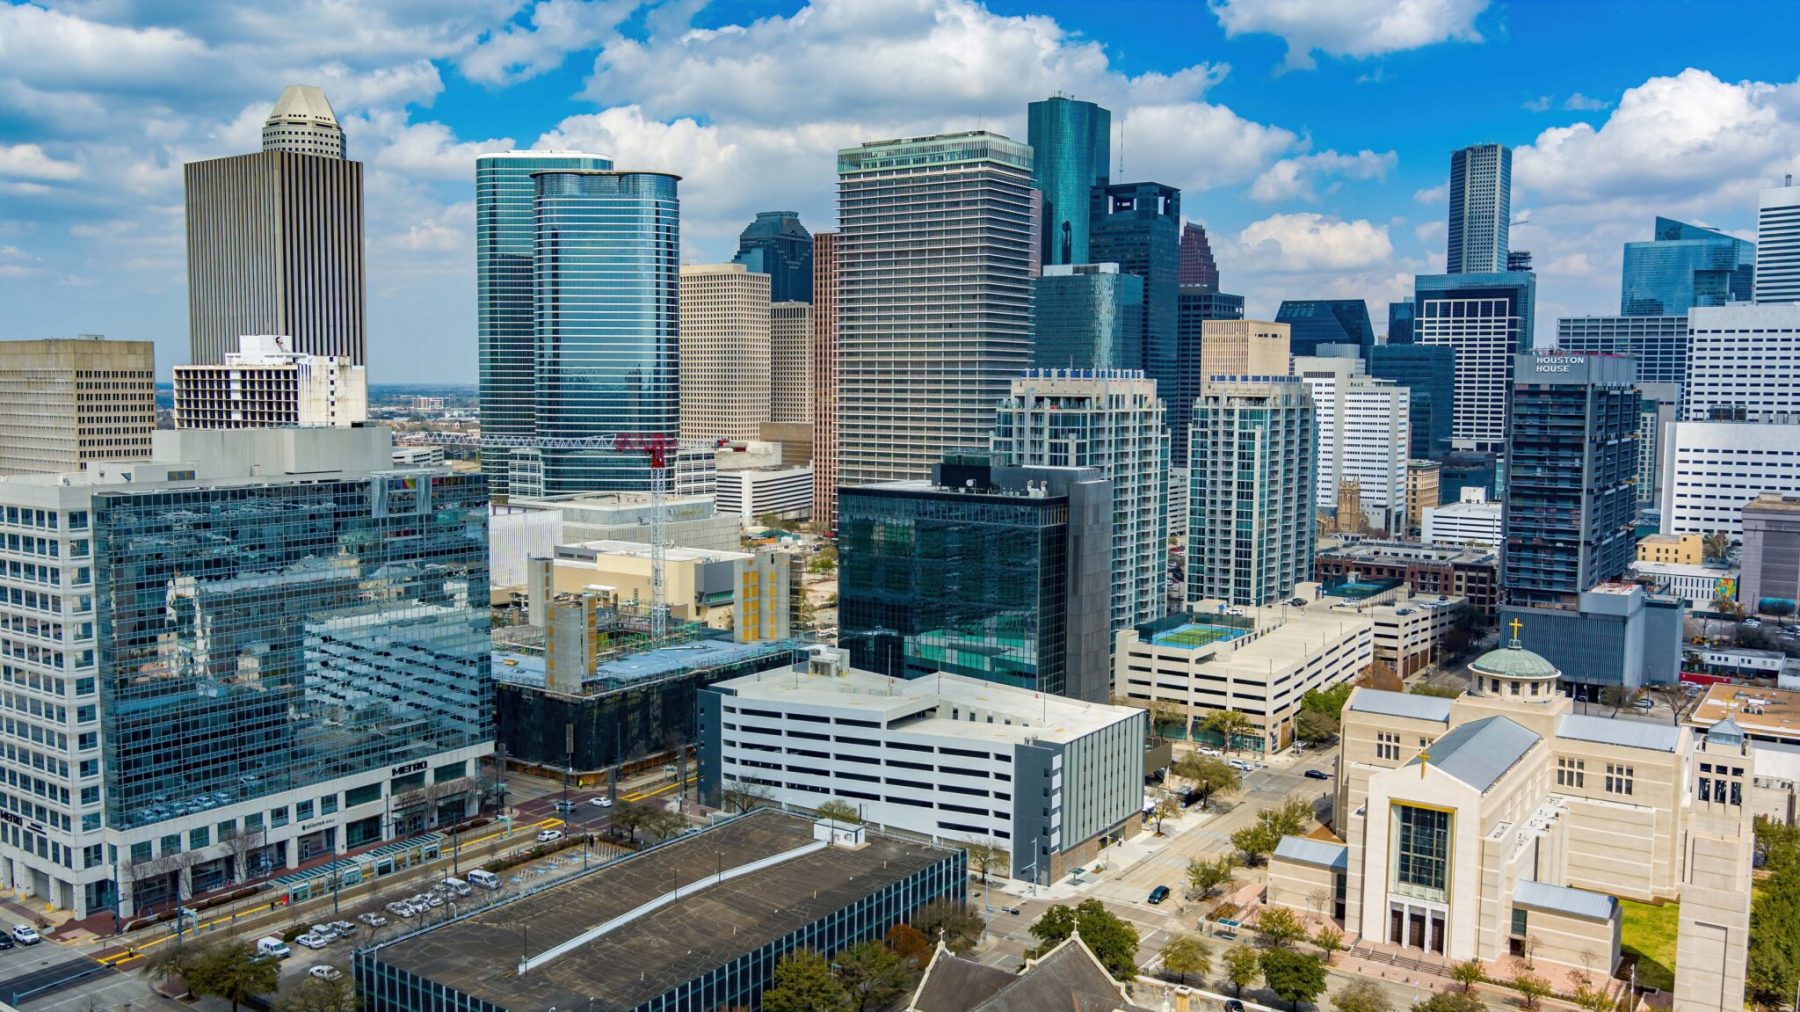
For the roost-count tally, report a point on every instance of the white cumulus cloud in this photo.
(1356, 28)
(1295, 178)
(1308, 241)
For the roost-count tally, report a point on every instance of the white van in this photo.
(272, 946)
(484, 879)
(457, 886)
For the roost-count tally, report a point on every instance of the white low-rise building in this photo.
(266, 384)
(1700, 586)
(784, 492)
(1472, 519)
(1046, 779)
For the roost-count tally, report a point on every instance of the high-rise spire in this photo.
(1196, 258)
(302, 123)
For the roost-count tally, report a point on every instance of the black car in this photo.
(1159, 894)
(1317, 775)
(1233, 1005)
(6, 941)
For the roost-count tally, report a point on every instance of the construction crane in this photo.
(659, 447)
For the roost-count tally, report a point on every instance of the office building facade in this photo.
(67, 403)
(1778, 244)
(1138, 227)
(1071, 154)
(1111, 421)
(275, 239)
(1002, 574)
(1473, 519)
(1087, 316)
(1771, 553)
(1659, 343)
(1195, 305)
(790, 363)
(1400, 321)
(1195, 258)
(1252, 458)
(1364, 438)
(1315, 322)
(1428, 374)
(505, 320)
(1480, 209)
(825, 378)
(777, 244)
(927, 343)
(1487, 319)
(1233, 349)
(1683, 267)
(1712, 469)
(725, 351)
(263, 385)
(1743, 364)
(1423, 479)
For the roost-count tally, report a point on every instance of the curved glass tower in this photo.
(1071, 144)
(606, 284)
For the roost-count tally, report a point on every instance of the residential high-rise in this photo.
(936, 252)
(1110, 420)
(1571, 463)
(1071, 151)
(777, 244)
(1487, 319)
(1088, 316)
(505, 322)
(1251, 521)
(263, 385)
(790, 362)
(725, 356)
(606, 304)
(243, 691)
(275, 239)
(1400, 321)
(1138, 227)
(1428, 373)
(1778, 244)
(1315, 322)
(1239, 348)
(1197, 266)
(1195, 305)
(1364, 437)
(1480, 209)
(67, 403)
(1683, 267)
(1743, 363)
(1659, 343)
(1002, 574)
(825, 377)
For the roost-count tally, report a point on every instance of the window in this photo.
(1421, 852)
(1387, 746)
(170, 844)
(328, 804)
(198, 838)
(1519, 927)
(303, 810)
(1619, 779)
(1570, 772)
(278, 817)
(140, 851)
(362, 795)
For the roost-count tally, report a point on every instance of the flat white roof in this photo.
(640, 550)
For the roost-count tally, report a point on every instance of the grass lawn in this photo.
(1649, 932)
(1193, 637)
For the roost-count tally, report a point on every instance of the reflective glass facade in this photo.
(1659, 343)
(1428, 372)
(1138, 227)
(1195, 304)
(1421, 852)
(1683, 267)
(777, 244)
(1251, 522)
(1071, 149)
(606, 289)
(265, 637)
(1314, 322)
(1088, 317)
(1400, 322)
(1480, 209)
(505, 327)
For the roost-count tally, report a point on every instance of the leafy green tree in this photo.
(310, 994)
(1163, 713)
(803, 983)
(1187, 954)
(1716, 546)
(1329, 701)
(230, 970)
(1256, 841)
(1208, 774)
(1279, 927)
(983, 858)
(1532, 989)
(1166, 808)
(1242, 968)
(1450, 1001)
(1295, 977)
(1113, 939)
(837, 810)
(872, 974)
(1441, 691)
(1468, 974)
(1774, 954)
(957, 923)
(1315, 728)
(1362, 996)
(1204, 876)
(1271, 825)
(1229, 724)
(1330, 942)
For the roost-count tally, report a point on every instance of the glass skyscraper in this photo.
(1428, 372)
(1487, 319)
(777, 244)
(505, 325)
(1138, 227)
(606, 280)
(1251, 474)
(1683, 267)
(1480, 209)
(1194, 305)
(1313, 322)
(1088, 316)
(1071, 147)
(1400, 322)
(1659, 343)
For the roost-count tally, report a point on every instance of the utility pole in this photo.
(569, 752)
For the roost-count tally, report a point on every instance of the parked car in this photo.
(401, 909)
(1233, 1005)
(601, 802)
(1644, 704)
(373, 920)
(1316, 775)
(434, 901)
(549, 835)
(6, 941)
(326, 972)
(1240, 765)
(565, 807)
(325, 931)
(1211, 752)
(313, 941)
(343, 927)
(25, 934)
(272, 946)
(484, 879)
(1159, 894)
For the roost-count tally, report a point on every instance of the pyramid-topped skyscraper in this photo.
(302, 122)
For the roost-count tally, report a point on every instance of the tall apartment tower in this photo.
(1486, 319)
(1480, 209)
(1364, 439)
(725, 370)
(777, 244)
(936, 252)
(275, 239)
(1778, 244)
(69, 402)
(505, 321)
(1110, 420)
(1712, 937)
(1251, 519)
(1195, 258)
(1572, 458)
(825, 377)
(1239, 348)
(791, 362)
(1071, 150)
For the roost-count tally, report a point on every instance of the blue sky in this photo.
(1310, 136)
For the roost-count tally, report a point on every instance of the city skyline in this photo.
(1318, 173)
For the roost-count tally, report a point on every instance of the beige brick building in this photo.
(790, 362)
(725, 349)
(825, 377)
(67, 402)
(1243, 348)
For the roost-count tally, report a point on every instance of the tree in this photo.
(310, 994)
(1716, 546)
(1295, 977)
(1330, 941)
(839, 811)
(1532, 989)
(1279, 927)
(1256, 841)
(1186, 954)
(1166, 807)
(1587, 996)
(1362, 996)
(1228, 724)
(956, 923)
(230, 970)
(1164, 712)
(628, 818)
(1774, 958)
(872, 974)
(1615, 697)
(1113, 940)
(803, 983)
(910, 945)
(1208, 774)
(1315, 728)
(742, 795)
(1242, 968)
(1450, 1001)
(240, 844)
(1271, 825)
(1204, 876)
(1440, 691)
(1468, 974)
(1381, 675)
(664, 823)
(984, 858)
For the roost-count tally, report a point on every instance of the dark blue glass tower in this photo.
(1138, 227)
(1313, 322)
(1087, 316)
(1428, 373)
(777, 244)
(1480, 209)
(1683, 267)
(1195, 304)
(607, 274)
(1071, 144)
(1400, 322)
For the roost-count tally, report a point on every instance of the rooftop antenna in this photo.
(1121, 149)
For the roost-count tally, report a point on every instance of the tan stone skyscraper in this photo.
(824, 377)
(68, 402)
(724, 351)
(1243, 348)
(790, 362)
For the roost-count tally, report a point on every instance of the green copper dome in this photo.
(1513, 661)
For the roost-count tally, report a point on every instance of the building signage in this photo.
(414, 767)
(307, 827)
(1557, 363)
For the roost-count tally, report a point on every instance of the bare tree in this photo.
(742, 795)
(240, 844)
